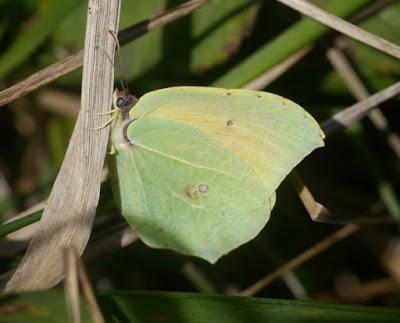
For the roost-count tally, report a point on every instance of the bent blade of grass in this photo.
(71, 206)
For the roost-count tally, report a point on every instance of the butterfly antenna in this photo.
(120, 68)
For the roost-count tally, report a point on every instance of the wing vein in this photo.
(183, 161)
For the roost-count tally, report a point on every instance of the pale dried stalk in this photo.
(71, 285)
(316, 13)
(346, 117)
(360, 92)
(317, 211)
(73, 62)
(41, 78)
(88, 293)
(75, 273)
(315, 250)
(71, 206)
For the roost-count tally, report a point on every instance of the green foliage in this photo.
(119, 306)
(34, 35)
(231, 42)
(378, 68)
(282, 46)
(206, 38)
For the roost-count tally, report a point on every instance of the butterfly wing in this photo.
(270, 133)
(202, 173)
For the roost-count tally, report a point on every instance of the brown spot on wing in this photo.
(192, 191)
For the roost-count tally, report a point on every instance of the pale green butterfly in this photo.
(196, 168)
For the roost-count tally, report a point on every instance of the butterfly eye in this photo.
(120, 103)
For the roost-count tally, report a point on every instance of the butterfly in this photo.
(195, 169)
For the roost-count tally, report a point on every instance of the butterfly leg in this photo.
(103, 126)
(108, 113)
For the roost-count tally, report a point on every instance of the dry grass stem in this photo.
(365, 291)
(73, 62)
(315, 250)
(75, 273)
(273, 73)
(360, 92)
(314, 12)
(88, 294)
(41, 78)
(346, 117)
(69, 213)
(317, 211)
(59, 102)
(371, 9)
(71, 286)
(163, 19)
(295, 286)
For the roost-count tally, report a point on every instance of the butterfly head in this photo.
(123, 101)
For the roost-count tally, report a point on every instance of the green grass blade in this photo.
(20, 223)
(29, 40)
(125, 306)
(288, 42)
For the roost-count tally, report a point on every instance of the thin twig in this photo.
(42, 78)
(315, 250)
(74, 270)
(198, 278)
(88, 294)
(71, 286)
(360, 92)
(73, 62)
(316, 13)
(317, 211)
(346, 117)
(289, 278)
(371, 10)
(141, 28)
